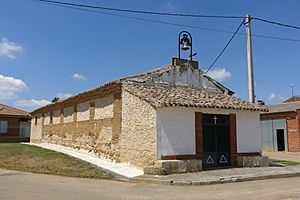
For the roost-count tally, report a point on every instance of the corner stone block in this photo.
(163, 167)
(253, 161)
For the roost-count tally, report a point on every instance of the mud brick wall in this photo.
(91, 122)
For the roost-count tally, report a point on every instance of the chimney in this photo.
(179, 62)
(261, 102)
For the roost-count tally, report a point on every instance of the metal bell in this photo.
(185, 46)
(185, 41)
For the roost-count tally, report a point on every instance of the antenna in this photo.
(292, 87)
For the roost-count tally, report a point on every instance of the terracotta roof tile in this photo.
(7, 110)
(162, 96)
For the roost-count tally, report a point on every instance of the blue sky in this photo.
(48, 51)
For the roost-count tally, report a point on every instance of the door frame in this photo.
(232, 137)
(217, 131)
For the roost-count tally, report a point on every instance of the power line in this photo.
(140, 11)
(147, 20)
(272, 37)
(276, 23)
(164, 13)
(174, 24)
(242, 23)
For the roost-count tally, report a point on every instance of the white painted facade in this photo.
(176, 130)
(248, 132)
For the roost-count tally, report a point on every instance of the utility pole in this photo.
(250, 61)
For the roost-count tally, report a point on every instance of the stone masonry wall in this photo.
(138, 143)
(36, 128)
(76, 125)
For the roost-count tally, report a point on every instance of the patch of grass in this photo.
(284, 162)
(34, 159)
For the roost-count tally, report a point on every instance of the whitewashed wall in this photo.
(248, 132)
(176, 132)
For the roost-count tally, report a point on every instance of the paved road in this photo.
(23, 186)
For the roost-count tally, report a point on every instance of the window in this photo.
(3, 126)
(35, 121)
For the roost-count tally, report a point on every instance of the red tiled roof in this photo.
(7, 110)
(161, 96)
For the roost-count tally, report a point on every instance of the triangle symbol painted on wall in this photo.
(223, 159)
(210, 160)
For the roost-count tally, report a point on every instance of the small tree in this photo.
(55, 99)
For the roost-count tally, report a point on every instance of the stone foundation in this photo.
(253, 161)
(164, 167)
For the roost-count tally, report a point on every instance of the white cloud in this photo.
(63, 95)
(8, 48)
(10, 86)
(219, 74)
(78, 77)
(33, 103)
(272, 96)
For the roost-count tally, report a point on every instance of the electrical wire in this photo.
(140, 11)
(276, 23)
(164, 13)
(174, 24)
(217, 58)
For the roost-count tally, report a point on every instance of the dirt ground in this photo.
(20, 186)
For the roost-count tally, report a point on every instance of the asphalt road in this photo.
(22, 186)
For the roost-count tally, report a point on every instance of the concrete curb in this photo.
(211, 182)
